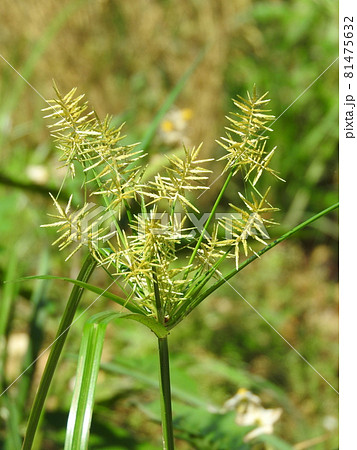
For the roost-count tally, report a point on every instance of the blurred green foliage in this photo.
(128, 57)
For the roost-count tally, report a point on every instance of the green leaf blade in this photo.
(90, 287)
(80, 415)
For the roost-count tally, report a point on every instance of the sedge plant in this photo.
(143, 233)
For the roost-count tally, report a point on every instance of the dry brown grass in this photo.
(129, 55)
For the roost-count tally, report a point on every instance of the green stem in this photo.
(165, 387)
(213, 211)
(158, 303)
(165, 395)
(56, 349)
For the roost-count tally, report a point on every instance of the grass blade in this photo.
(82, 284)
(80, 414)
(12, 439)
(152, 324)
(56, 349)
(7, 299)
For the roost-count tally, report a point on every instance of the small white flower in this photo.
(251, 412)
(174, 125)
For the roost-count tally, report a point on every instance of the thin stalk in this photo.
(165, 386)
(56, 349)
(213, 211)
(158, 303)
(165, 395)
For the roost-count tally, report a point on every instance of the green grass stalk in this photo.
(56, 349)
(165, 395)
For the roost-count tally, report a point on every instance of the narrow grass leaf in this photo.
(102, 292)
(13, 438)
(55, 353)
(7, 299)
(152, 324)
(80, 415)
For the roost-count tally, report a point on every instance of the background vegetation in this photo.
(128, 57)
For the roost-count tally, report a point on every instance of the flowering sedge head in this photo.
(162, 261)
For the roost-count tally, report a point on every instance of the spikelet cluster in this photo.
(246, 138)
(145, 257)
(250, 224)
(79, 227)
(158, 255)
(182, 176)
(83, 138)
